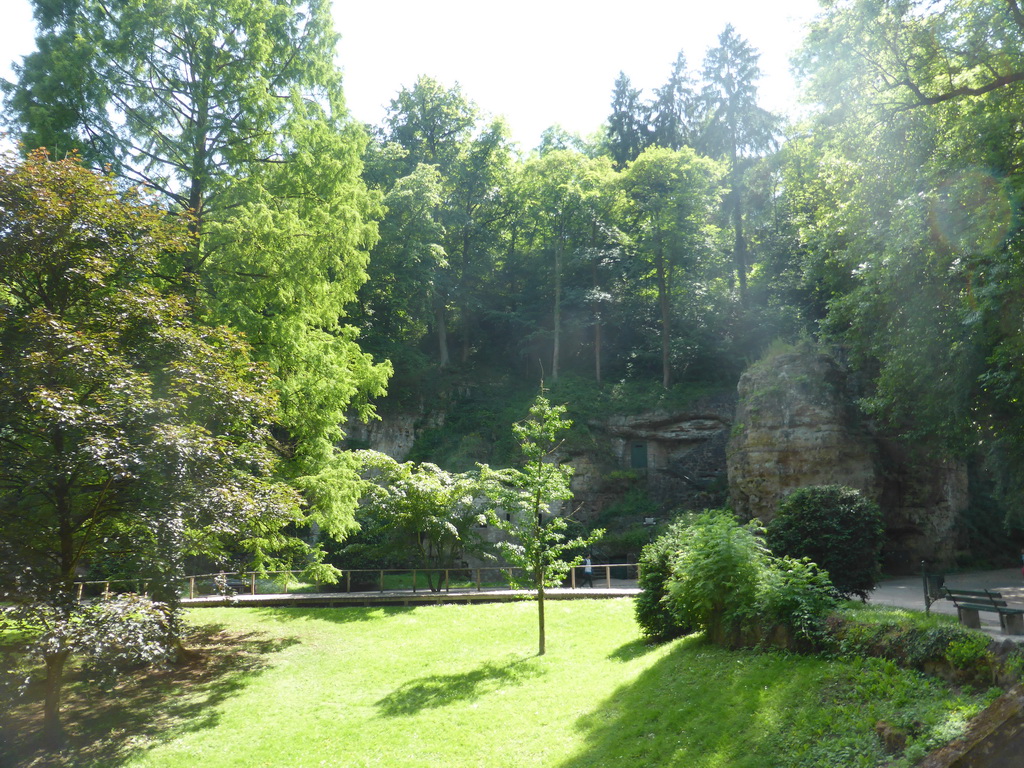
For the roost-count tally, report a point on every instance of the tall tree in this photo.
(565, 195)
(439, 126)
(920, 106)
(628, 123)
(674, 109)
(736, 128)
(669, 199)
(232, 111)
(121, 420)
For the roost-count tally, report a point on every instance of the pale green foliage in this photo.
(431, 512)
(231, 111)
(284, 265)
(538, 542)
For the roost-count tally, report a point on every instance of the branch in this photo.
(925, 100)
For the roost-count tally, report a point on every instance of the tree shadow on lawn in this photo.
(436, 691)
(347, 614)
(633, 650)
(697, 706)
(107, 728)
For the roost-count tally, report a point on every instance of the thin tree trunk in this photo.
(540, 617)
(740, 241)
(597, 348)
(442, 337)
(556, 352)
(666, 323)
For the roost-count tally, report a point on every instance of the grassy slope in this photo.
(459, 686)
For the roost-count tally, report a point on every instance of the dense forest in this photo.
(430, 260)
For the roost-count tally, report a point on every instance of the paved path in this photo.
(908, 592)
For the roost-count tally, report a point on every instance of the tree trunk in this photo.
(740, 241)
(556, 352)
(540, 617)
(53, 730)
(442, 337)
(666, 323)
(597, 348)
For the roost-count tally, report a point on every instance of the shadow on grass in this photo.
(340, 615)
(632, 650)
(698, 706)
(436, 691)
(106, 729)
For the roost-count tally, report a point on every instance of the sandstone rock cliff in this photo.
(797, 425)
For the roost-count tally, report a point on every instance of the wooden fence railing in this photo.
(357, 580)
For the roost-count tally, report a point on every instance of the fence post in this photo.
(414, 580)
(382, 581)
(348, 581)
(608, 576)
(81, 584)
(106, 590)
(477, 579)
(572, 578)
(445, 579)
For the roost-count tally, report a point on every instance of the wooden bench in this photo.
(969, 602)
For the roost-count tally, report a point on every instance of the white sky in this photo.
(537, 62)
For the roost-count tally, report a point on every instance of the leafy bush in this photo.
(715, 578)
(708, 572)
(836, 528)
(924, 645)
(655, 618)
(795, 594)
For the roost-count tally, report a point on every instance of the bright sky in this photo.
(537, 62)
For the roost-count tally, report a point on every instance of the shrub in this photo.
(715, 578)
(654, 616)
(835, 527)
(708, 572)
(797, 595)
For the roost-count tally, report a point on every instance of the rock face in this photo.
(393, 434)
(796, 425)
(679, 457)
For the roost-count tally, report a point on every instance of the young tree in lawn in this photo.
(122, 423)
(521, 502)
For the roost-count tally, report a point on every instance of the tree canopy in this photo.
(125, 428)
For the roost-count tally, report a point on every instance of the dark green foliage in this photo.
(652, 613)
(835, 527)
(933, 646)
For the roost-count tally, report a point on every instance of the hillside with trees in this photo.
(428, 263)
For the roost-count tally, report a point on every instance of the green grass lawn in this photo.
(461, 686)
